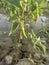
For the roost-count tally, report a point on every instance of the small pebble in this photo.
(8, 59)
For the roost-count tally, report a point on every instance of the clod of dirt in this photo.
(25, 61)
(8, 59)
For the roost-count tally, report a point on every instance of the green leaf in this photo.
(33, 34)
(37, 43)
(13, 18)
(31, 37)
(23, 32)
(41, 3)
(14, 3)
(11, 13)
(29, 1)
(13, 27)
(42, 48)
(40, 45)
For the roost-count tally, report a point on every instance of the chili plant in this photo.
(20, 10)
